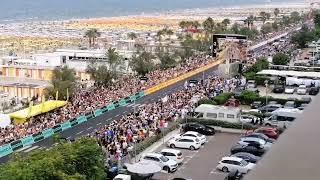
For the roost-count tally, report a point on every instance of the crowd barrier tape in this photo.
(9, 148)
(182, 77)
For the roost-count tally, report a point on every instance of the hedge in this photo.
(222, 98)
(223, 124)
(207, 101)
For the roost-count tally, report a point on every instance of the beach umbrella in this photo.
(143, 167)
(4, 120)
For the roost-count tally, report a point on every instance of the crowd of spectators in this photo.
(87, 100)
(121, 135)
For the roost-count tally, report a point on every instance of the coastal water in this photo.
(29, 10)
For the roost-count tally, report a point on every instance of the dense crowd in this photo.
(119, 137)
(87, 100)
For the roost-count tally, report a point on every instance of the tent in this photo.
(4, 120)
(21, 116)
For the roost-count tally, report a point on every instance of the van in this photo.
(282, 117)
(208, 111)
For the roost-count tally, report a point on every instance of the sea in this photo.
(47, 10)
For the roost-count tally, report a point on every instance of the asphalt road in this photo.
(201, 164)
(95, 123)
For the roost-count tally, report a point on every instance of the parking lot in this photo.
(201, 164)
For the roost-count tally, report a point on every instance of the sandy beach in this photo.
(35, 36)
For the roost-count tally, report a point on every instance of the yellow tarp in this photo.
(22, 115)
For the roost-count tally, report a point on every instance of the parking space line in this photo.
(79, 132)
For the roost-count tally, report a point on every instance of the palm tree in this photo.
(92, 34)
(276, 12)
(114, 58)
(132, 35)
(249, 21)
(226, 22)
(195, 25)
(264, 16)
(183, 25)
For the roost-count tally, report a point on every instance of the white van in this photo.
(223, 113)
(282, 117)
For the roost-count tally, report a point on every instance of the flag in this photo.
(67, 94)
(57, 95)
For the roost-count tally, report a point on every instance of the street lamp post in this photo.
(266, 84)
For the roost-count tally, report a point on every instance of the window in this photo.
(64, 59)
(231, 116)
(212, 115)
(244, 163)
(190, 135)
(235, 162)
(164, 159)
(221, 115)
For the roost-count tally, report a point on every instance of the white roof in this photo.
(211, 108)
(231, 158)
(192, 132)
(175, 151)
(290, 73)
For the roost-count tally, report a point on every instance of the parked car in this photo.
(202, 129)
(234, 164)
(290, 104)
(261, 136)
(270, 108)
(302, 90)
(184, 142)
(247, 157)
(314, 91)
(194, 134)
(251, 84)
(248, 118)
(173, 154)
(273, 102)
(237, 92)
(234, 175)
(254, 141)
(165, 163)
(249, 149)
(268, 131)
(302, 106)
(256, 104)
(278, 89)
(289, 90)
(306, 99)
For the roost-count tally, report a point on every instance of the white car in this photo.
(165, 163)
(255, 141)
(186, 142)
(173, 154)
(247, 118)
(194, 134)
(289, 90)
(228, 164)
(302, 89)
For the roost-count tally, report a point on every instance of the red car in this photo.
(268, 131)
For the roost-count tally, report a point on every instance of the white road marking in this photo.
(24, 148)
(79, 132)
(89, 128)
(109, 119)
(215, 171)
(99, 123)
(129, 105)
(31, 149)
(117, 115)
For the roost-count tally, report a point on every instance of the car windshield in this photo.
(244, 163)
(198, 134)
(164, 159)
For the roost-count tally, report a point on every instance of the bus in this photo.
(282, 117)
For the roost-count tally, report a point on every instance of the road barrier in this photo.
(30, 140)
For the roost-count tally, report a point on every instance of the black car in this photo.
(278, 89)
(256, 104)
(261, 136)
(247, 157)
(314, 91)
(202, 129)
(247, 148)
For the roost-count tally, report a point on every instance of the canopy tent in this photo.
(4, 120)
(21, 116)
(290, 73)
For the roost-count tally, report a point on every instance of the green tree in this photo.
(261, 64)
(280, 59)
(250, 21)
(63, 79)
(235, 28)
(275, 26)
(251, 33)
(142, 62)
(266, 28)
(295, 16)
(167, 60)
(264, 16)
(208, 25)
(303, 37)
(316, 19)
(226, 22)
(81, 160)
(92, 35)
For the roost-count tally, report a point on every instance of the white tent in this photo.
(4, 120)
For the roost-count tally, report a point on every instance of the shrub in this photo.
(222, 98)
(247, 97)
(207, 101)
